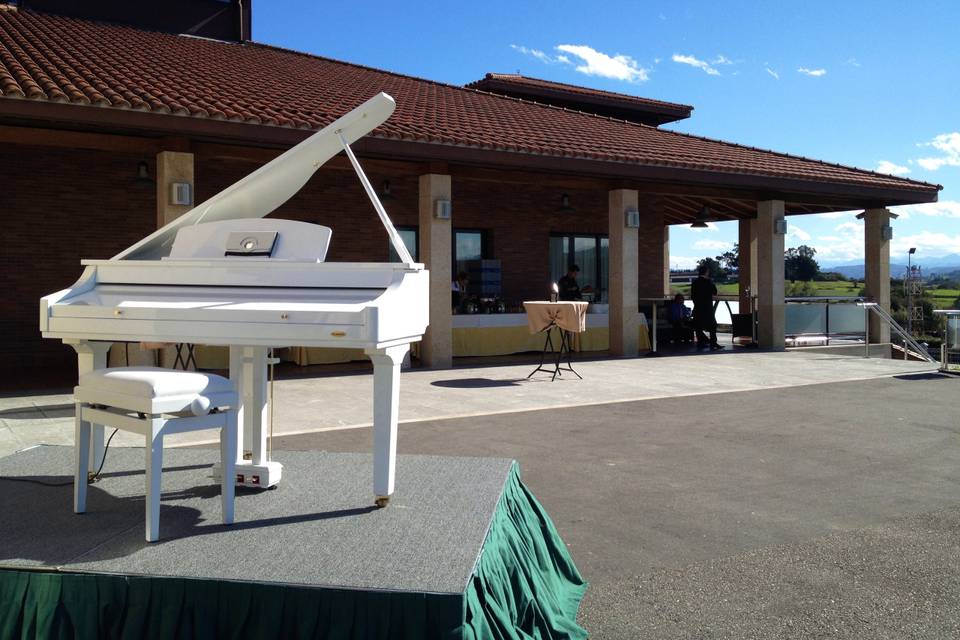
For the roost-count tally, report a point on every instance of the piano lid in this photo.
(274, 183)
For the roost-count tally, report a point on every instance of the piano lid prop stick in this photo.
(398, 245)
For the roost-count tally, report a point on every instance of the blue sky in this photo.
(869, 84)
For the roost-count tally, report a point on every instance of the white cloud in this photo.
(536, 53)
(846, 243)
(683, 262)
(944, 209)
(721, 59)
(596, 63)
(926, 242)
(853, 62)
(564, 59)
(949, 145)
(885, 166)
(773, 73)
(713, 245)
(816, 73)
(694, 62)
(796, 233)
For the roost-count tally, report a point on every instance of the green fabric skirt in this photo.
(524, 585)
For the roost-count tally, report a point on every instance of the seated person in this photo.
(568, 287)
(680, 321)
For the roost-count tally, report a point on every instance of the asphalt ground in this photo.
(821, 511)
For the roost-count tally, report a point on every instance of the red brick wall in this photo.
(59, 206)
(519, 219)
(651, 250)
(63, 205)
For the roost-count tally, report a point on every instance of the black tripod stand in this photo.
(564, 346)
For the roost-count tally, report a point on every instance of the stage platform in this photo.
(463, 550)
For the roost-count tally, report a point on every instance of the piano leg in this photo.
(248, 372)
(92, 356)
(386, 404)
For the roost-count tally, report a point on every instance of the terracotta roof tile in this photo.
(612, 97)
(54, 58)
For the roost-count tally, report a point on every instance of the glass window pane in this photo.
(559, 258)
(585, 256)
(409, 237)
(604, 271)
(468, 246)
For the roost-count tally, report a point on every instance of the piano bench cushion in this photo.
(153, 389)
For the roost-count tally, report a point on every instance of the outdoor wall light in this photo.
(143, 170)
(886, 233)
(565, 204)
(631, 218)
(385, 191)
(780, 226)
(442, 210)
(181, 193)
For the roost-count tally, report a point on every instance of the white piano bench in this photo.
(155, 402)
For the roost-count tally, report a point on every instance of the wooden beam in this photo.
(673, 218)
(78, 140)
(514, 176)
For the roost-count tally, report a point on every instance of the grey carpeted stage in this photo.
(317, 528)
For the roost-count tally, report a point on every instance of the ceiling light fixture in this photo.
(703, 217)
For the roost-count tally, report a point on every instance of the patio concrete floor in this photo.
(725, 495)
(331, 402)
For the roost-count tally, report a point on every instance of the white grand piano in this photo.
(221, 274)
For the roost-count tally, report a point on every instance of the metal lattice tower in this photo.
(913, 288)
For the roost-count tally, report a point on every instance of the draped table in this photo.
(567, 317)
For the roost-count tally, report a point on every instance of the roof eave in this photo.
(150, 124)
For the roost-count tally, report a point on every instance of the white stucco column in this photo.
(624, 270)
(877, 233)
(436, 253)
(747, 262)
(172, 167)
(770, 276)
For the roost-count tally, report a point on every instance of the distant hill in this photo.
(931, 267)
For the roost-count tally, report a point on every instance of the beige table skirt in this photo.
(467, 341)
(501, 341)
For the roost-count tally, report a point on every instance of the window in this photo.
(468, 245)
(590, 253)
(411, 240)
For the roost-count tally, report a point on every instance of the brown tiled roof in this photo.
(518, 85)
(58, 59)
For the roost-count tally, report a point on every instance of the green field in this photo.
(848, 288)
(941, 298)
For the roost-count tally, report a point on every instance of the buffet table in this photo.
(482, 334)
(506, 333)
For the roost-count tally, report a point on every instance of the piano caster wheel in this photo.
(381, 501)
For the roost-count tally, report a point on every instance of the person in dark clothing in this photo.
(680, 321)
(702, 291)
(568, 287)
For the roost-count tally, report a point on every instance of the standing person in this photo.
(702, 291)
(568, 287)
(459, 289)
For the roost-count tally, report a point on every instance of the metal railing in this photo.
(910, 346)
(820, 319)
(950, 349)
